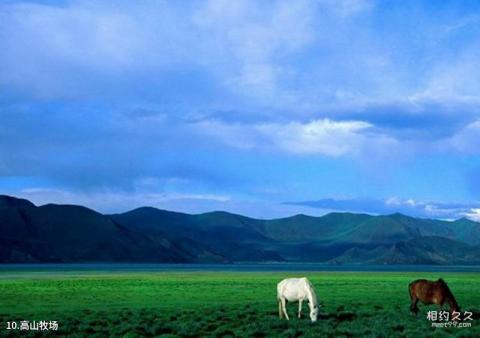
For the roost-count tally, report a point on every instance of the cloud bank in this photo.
(258, 101)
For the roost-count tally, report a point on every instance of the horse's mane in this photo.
(445, 286)
(312, 290)
(448, 292)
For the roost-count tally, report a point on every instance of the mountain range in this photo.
(70, 233)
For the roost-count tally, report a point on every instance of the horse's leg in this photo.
(299, 308)
(413, 306)
(416, 306)
(413, 301)
(280, 311)
(284, 307)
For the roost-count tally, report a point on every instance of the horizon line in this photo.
(238, 214)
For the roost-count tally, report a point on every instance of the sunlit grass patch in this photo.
(223, 304)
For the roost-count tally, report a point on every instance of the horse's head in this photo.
(450, 298)
(314, 313)
(455, 308)
(453, 305)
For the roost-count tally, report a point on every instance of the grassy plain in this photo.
(223, 304)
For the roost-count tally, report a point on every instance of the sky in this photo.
(263, 108)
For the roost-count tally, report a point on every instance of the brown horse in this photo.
(431, 292)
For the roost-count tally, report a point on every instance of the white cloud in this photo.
(454, 77)
(317, 137)
(251, 35)
(464, 141)
(473, 214)
(395, 201)
(411, 207)
(324, 137)
(278, 53)
(54, 50)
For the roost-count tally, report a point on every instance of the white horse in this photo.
(297, 289)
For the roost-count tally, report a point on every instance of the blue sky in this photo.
(265, 108)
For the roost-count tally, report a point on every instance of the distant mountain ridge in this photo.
(69, 233)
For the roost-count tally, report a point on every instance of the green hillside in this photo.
(68, 233)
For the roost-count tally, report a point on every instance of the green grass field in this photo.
(222, 304)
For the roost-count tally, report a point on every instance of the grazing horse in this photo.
(296, 289)
(431, 292)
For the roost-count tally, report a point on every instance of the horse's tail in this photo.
(279, 301)
(411, 289)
